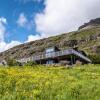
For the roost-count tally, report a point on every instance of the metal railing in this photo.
(81, 56)
(54, 55)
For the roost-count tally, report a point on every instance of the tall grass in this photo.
(50, 83)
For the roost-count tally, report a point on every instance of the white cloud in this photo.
(12, 44)
(22, 20)
(65, 15)
(2, 28)
(3, 20)
(33, 37)
(3, 45)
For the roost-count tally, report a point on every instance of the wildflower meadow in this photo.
(50, 83)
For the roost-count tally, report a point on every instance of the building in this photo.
(54, 55)
(48, 53)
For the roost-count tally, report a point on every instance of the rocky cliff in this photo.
(91, 23)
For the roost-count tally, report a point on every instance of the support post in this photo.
(71, 59)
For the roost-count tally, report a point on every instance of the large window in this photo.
(50, 62)
(50, 50)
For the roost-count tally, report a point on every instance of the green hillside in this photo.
(50, 83)
(85, 39)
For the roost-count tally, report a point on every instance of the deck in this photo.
(55, 55)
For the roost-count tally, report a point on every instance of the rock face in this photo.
(91, 23)
(87, 40)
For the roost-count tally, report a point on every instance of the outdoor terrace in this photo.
(55, 55)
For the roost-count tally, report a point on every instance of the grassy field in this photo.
(50, 83)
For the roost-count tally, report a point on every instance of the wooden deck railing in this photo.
(54, 55)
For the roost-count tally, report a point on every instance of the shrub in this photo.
(30, 63)
(95, 59)
(12, 62)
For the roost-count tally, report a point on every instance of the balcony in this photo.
(55, 55)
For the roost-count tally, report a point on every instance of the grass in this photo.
(50, 83)
(85, 34)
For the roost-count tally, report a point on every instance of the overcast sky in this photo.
(27, 20)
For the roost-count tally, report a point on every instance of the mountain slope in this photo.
(87, 39)
(91, 23)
